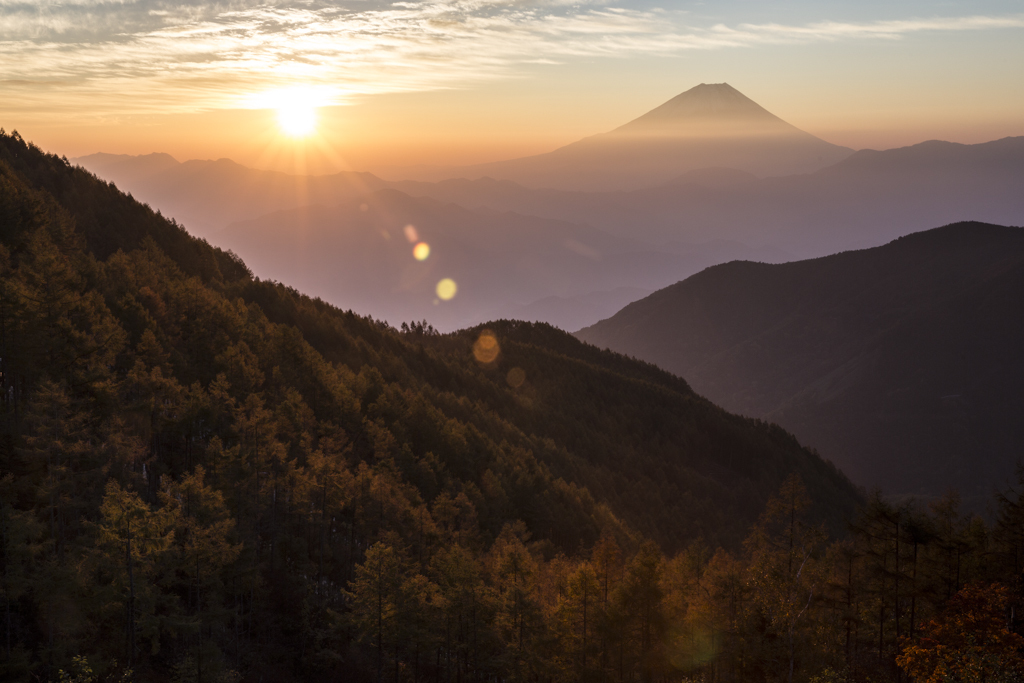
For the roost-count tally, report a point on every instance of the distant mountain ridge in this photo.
(206, 195)
(899, 363)
(868, 199)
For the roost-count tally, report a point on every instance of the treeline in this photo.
(914, 593)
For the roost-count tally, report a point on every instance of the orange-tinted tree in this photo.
(968, 642)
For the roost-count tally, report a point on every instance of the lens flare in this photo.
(486, 348)
(446, 289)
(515, 377)
(411, 234)
(421, 251)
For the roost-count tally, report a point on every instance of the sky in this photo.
(440, 82)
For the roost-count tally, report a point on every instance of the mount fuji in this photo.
(710, 126)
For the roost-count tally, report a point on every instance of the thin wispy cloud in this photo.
(115, 58)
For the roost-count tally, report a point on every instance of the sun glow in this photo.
(296, 108)
(297, 119)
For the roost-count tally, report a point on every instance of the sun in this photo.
(297, 119)
(297, 107)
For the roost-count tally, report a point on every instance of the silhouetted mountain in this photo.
(901, 363)
(574, 312)
(710, 125)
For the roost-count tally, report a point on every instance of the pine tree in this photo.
(638, 606)
(203, 548)
(375, 602)
(784, 575)
(132, 536)
(578, 614)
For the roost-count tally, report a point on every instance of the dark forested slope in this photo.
(197, 467)
(899, 363)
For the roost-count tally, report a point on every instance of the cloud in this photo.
(114, 57)
(749, 34)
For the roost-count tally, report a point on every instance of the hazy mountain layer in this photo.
(360, 254)
(900, 363)
(205, 196)
(526, 267)
(866, 200)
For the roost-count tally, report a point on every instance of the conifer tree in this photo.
(203, 548)
(133, 536)
(375, 602)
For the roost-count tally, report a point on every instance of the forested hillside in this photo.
(899, 363)
(207, 477)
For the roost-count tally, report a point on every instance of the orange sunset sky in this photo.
(463, 81)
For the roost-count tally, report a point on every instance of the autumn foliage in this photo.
(969, 641)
